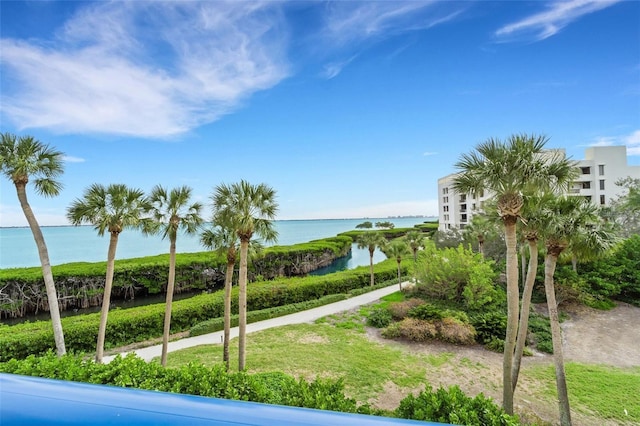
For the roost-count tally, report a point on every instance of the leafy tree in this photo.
(170, 212)
(565, 220)
(364, 225)
(385, 225)
(416, 241)
(21, 159)
(510, 169)
(250, 210)
(480, 228)
(224, 239)
(112, 209)
(397, 249)
(625, 209)
(371, 240)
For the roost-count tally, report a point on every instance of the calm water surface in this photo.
(82, 244)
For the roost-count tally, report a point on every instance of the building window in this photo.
(585, 170)
(463, 207)
(445, 208)
(473, 206)
(463, 198)
(445, 199)
(601, 169)
(588, 198)
(586, 185)
(463, 218)
(602, 201)
(602, 184)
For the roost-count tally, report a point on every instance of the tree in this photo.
(385, 225)
(370, 240)
(112, 209)
(480, 228)
(510, 169)
(170, 212)
(626, 208)
(566, 220)
(397, 249)
(224, 239)
(250, 210)
(364, 225)
(416, 241)
(21, 159)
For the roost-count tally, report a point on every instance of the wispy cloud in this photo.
(70, 159)
(631, 140)
(559, 14)
(429, 153)
(147, 69)
(332, 69)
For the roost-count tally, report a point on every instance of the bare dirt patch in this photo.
(590, 337)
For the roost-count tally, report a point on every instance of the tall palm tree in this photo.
(170, 212)
(397, 249)
(371, 240)
(223, 239)
(21, 159)
(567, 219)
(112, 209)
(251, 210)
(480, 228)
(511, 169)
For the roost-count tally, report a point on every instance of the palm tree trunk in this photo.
(512, 313)
(523, 326)
(574, 263)
(399, 280)
(242, 302)
(371, 266)
(47, 274)
(106, 297)
(523, 263)
(228, 282)
(556, 338)
(169, 302)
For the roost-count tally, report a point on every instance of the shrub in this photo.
(489, 326)
(417, 330)
(453, 406)
(426, 311)
(455, 331)
(400, 310)
(379, 318)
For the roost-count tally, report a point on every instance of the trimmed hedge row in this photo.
(131, 325)
(81, 285)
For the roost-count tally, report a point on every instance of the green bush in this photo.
(126, 326)
(425, 311)
(453, 406)
(490, 326)
(379, 318)
(194, 379)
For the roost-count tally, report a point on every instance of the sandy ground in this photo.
(590, 336)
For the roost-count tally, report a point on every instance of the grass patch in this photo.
(598, 390)
(312, 351)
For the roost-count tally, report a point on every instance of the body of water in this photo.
(82, 244)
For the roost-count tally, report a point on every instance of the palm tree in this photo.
(480, 227)
(567, 219)
(511, 169)
(397, 249)
(171, 212)
(224, 239)
(371, 240)
(416, 240)
(111, 209)
(21, 159)
(250, 210)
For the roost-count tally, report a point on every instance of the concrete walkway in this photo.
(310, 315)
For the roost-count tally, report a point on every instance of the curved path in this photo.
(310, 315)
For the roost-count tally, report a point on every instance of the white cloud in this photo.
(70, 159)
(631, 140)
(429, 153)
(149, 69)
(558, 15)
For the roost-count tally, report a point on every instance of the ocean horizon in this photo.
(67, 243)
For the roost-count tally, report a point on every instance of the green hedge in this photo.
(131, 325)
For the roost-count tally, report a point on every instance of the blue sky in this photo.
(347, 109)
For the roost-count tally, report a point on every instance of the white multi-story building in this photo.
(599, 171)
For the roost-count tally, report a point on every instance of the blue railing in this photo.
(36, 401)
